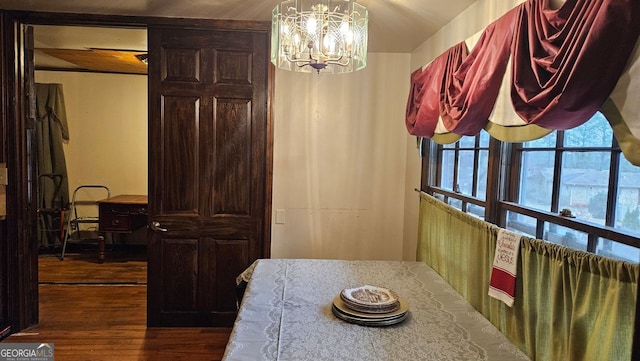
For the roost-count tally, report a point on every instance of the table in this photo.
(285, 315)
(120, 214)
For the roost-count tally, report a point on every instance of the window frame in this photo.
(503, 180)
(432, 174)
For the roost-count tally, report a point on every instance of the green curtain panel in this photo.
(569, 305)
(53, 189)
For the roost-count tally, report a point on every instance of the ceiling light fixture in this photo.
(319, 35)
(143, 58)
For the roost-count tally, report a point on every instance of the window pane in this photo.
(455, 203)
(449, 145)
(522, 224)
(447, 169)
(567, 237)
(587, 160)
(467, 142)
(484, 139)
(474, 210)
(536, 180)
(548, 141)
(465, 172)
(596, 132)
(483, 164)
(584, 184)
(628, 205)
(611, 249)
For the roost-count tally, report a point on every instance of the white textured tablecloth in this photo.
(286, 316)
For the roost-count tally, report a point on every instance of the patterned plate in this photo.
(370, 298)
(339, 304)
(344, 313)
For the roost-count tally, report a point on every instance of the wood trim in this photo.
(21, 282)
(458, 196)
(614, 182)
(51, 18)
(557, 172)
(80, 70)
(574, 223)
(271, 74)
(4, 244)
(492, 193)
(424, 147)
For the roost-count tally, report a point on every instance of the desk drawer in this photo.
(122, 209)
(114, 222)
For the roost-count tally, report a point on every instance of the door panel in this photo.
(181, 136)
(209, 172)
(233, 184)
(180, 273)
(227, 252)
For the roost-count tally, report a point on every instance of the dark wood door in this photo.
(209, 170)
(18, 241)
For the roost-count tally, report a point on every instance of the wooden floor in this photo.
(96, 312)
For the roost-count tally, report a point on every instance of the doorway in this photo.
(239, 89)
(100, 77)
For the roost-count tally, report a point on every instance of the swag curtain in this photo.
(564, 64)
(567, 302)
(51, 132)
(459, 87)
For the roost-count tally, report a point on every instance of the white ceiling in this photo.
(395, 26)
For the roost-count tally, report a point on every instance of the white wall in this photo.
(473, 20)
(339, 162)
(107, 117)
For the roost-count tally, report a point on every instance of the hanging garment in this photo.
(51, 131)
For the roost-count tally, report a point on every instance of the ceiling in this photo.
(111, 50)
(395, 26)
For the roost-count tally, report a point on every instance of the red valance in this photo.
(566, 62)
(564, 65)
(427, 87)
(470, 92)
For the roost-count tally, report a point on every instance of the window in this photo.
(463, 171)
(572, 187)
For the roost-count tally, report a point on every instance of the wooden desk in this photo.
(120, 214)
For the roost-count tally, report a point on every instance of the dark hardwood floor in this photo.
(96, 312)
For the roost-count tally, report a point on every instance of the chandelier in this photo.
(319, 35)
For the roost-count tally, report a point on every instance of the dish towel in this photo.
(502, 285)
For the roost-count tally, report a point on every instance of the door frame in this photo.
(19, 280)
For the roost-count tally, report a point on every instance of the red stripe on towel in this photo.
(503, 280)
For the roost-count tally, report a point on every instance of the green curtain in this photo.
(53, 189)
(569, 305)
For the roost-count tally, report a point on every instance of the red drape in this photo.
(427, 85)
(565, 63)
(472, 90)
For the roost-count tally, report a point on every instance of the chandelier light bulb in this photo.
(312, 24)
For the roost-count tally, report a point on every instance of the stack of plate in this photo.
(370, 306)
